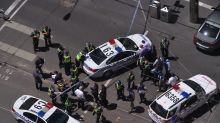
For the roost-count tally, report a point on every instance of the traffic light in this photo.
(194, 11)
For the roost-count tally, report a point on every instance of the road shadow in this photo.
(201, 20)
(43, 49)
(68, 15)
(111, 106)
(139, 109)
(78, 117)
(44, 89)
(55, 45)
(148, 102)
(175, 11)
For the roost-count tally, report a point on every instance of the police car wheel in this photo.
(20, 121)
(107, 74)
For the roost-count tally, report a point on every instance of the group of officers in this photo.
(149, 71)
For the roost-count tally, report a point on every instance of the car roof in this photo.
(215, 16)
(177, 91)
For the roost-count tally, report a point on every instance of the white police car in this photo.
(29, 109)
(182, 99)
(115, 54)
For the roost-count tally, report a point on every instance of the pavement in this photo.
(75, 22)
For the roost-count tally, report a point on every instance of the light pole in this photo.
(194, 11)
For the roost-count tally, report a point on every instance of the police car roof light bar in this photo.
(185, 94)
(111, 41)
(118, 49)
(176, 87)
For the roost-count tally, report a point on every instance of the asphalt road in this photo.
(75, 22)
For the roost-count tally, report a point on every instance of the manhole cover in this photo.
(67, 3)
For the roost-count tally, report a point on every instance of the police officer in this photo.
(102, 95)
(141, 91)
(98, 111)
(39, 62)
(47, 36)
(120, 89)
(167, 65)
(140, 62)
(130, 98)
(68, 105)
(130, 80)
(146, 74)
(37, 78)
(95, 92)
(79, 59)
(60, 53)
(63, 95)
(67, 63)
(89, 47)
(74, 70)
(74, 83)
(164, 45)
(52, 95)
(35, 35)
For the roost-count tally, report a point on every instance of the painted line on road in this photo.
(5, 109)
(203, 5)
(17, 52)
(107, 82)
(17, 9)
(11, 7)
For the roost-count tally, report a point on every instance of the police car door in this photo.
(189, 106)
(31, 118)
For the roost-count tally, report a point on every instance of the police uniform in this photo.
(102, 96)
(47, 36)
(52, 94)
(164, 45)
(120, 89)
(39, 62)
(79, 59)
(95, 92)
(141, 91)
(130, 98)
(35, 35)
(68, 106)
(146, 71)
(89, 47)
(67, 63)
(98, 111)
(130, 80)
(60, 53)
(74, 70)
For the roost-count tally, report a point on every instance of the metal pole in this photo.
(134, 17)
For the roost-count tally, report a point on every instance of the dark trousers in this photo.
(120, 94)
(38, 84)
(40, 69)
(54, 99)
(60, 57)
(142, 97)
(98, 115)
(67, 68)
(35, 44)
(47, 40)
(81, 103)
(164, 52)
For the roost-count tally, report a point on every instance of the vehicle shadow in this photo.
(214, 53)
(203, 109)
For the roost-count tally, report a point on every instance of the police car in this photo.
(29, 109)
(182, 99)
(115, 54)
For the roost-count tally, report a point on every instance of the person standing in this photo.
(74, 70)
(95, 92)
(161, 82)
(130, 80)
(68, 106)
(52, 95)
(98, 111)
(81, 97)
(102, 95)
(60, 53)
(47, 36)
(120, 89)
(37, 78)
(89, 47)
(67, 62)
(130, 98)
(79, 59)
(167, 65)
(141, 91)
(140, 62)
(39, 62)
(35, 35)
(164, 46)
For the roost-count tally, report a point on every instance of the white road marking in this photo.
(17, 52)
(203, 5)
(17, 9)
(107, 82)
(13, 5)
(5, 109)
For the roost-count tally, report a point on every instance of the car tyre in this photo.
(107, 74)
(20, 121)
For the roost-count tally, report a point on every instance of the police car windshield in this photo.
(128, 43)
(28, 103)
(97, 56)
(195, 86)
(159, 109)
(58, 117)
